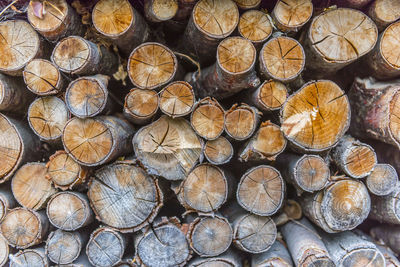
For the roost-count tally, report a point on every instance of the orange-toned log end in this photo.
(42, 77)
(312, 173)
(141, 105)
(261, 190)
(248, 4)
(282, 58)
(177, 99)
(270, 96)
(389, 45)
(382, 180)
(241, 121)
(207, 118)
(151, 65)
(291, 15)
(316, 116)
(218, 151)
(255, 26)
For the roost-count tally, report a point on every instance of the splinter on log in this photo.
(270, 96)
(305, 245)
(342, 205)
(4, 251)
(267, 143)
(177, 99)
(120, 22)
(210, 236)
(218, 151)
(95, 141)
(382, 180)
(241, 121)
(168, 148)
(7, 202)
(277, 255)
(64, 247)
(47, 117)
(384, 12)
(160, 10)
(124, 197)
(141, 105)
(30, 186)
(261, 190)
(338, 37)
(386, 208)
(291, 15)
(354, 158)
(229, 259)
(389, 234)
(248, 4)
(30, 257)
(75, 55)
(88, 96)
(152, 65)
(255, 26)
(316, 116)
(23, 228)
(13, 95)
(69, 211)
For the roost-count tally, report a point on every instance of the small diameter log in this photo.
(338, 37)
(4, 251)
(152, 65)
(168, 148)
(141, 105)
(248, 4)
(341, 206)
(354, 158)
(241, 121)
(120, 22)
(382, 180)
(35, 257)
(277, 255)
(384, 12)
(291, 15)
(316, 116)
(96, 141)
(233, 71)
(386, 208)
(208, 118)
(267, 143)
(270, 96)
(218, 151)
(47, 117)
(69, 211)
(177, 99)
(64, 247)
(23, 228)
(105, 247)
(229, 259)
(19, 44)
(7, 202)
(305, 245)
(13, 95)
(160, 10)
(30, 186)
(389, 234)
(255, 26)
(124, 197)
(75, 55)
(261, 190)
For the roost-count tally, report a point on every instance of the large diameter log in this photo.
(208, 118)
(13, 95)
(218, 151)
(35, 257)
(342, 205)
(241, 121)
(382, 180)
(316, 116)
(160, 10)
(277, 255)
(270, 96)
(141, 105)
(124, 197)
(305, 245)
(386, 208)
(290, 16)
(255, 26)
(4, 251)
(95, 141)
(177, 99)
(120, 22)
(168, 148)
(384, 12)
(229, 259)
(389, 234)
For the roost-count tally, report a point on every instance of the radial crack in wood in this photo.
(382, 180)
(291, 15)
(218, 151)
(255, 26)
(141, 105)
(177, 99)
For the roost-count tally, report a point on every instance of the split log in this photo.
(47, 117)
(96, 141)
(210, 236)
(69, 211)
(241, 121)
(389, 234)
(316, 116)
(88, 96)
(292, 15)
(120, 22)
(358, 4)
(386, 208)
(177, 99)
(19, 44)
(341, 206)
(152, 65)
(248, 4)
(267, 143)
(124, 197)
(168, 148)
(382, 180)
(7, 202)
(13, 95)
(233, 71)
(23, 228)
(160, 10)
(141, 105)
(277, 255)
(30, 186)
(75, 55)
(270, 96)
(384, 12)
(34, 257)
(255, 26)
(305, 245)
(218, 151)
(261, 190)
(105, 247)
(354, 158)
(229, 259)
(4, 251)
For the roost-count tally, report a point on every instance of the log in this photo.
(241, 121)
(382, 180)
(248, 4)
(178, 23)
(76, 55)
(13, 95)
(105, 247)
(305, 245)
(177, 99)
(270, 96)
(4, 251)
(30, 257)
(23, 228)
(261, 190)
(218, 151)
(69, 211)
(96, 141)
(124, 197)
(168, 148)
(389, 234)
(292, 15)
(233, 71)
(277, 255)
(315, 117)
(384, 12)
(354, 158)
(267, 143)
(7, 202)
(290, 211)
(30, 186)
(160, 10)
(386, 208)
(121, 23)
(255, 26)
(229, 258)
(341, 206)
(141, 105)
(357, 4)
(47, 117)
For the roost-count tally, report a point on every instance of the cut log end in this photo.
(177, 99)
(270, 96)
(141, 105)
(207, 119)
(312, 173)
(42, 77)
(363, 257)
(293, 14)
(241, 121)
(360, 161)
(255, 26)
(4, 251)
(236, 55)
(389, 45)
(218, 151)
(63, 247)
(384, 12)
(382, 179)
(394, 117)
(248, 4)
(29, 258)
(161, 10)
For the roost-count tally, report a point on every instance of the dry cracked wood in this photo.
(177, 99)
(141, 105)
(291, 15)
(64, 247)
(218, 151)
(34, 257)
(270, 96)
(160, 10)
(208, 118)
(255, 26)
(382, 180)
(384, 12)
(241, 121)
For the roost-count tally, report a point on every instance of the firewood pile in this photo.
(199, 133)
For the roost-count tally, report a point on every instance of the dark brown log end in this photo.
(207, 118)
(218, 151)
(177, 99)
(291, 15)
(255, 26)
(42, 77)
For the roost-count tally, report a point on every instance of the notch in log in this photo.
(382, 180)
(277, 255)
(141, 105)
(218, 151)
(160, 10)
(384, 12)
(29, 257)
(13, 95)
(248, 4)
(386, 208)
(255, 26)
(177, 99)
(270, 96)
(292, 15)
(389, 234)
(241, 121)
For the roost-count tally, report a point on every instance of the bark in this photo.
(389, 234)
(241, 121)
(255, 26)
(382, 180)
(159, 11)
(248, 4)
(386, 208)
(13, 95)
(229, 258)
(384, 12)
(218, 151)
(277, 255)
(7, 202)
(270, 96)
(292, 15)
(358, 4)
(29, 257)
(178, 23)
(141, 105)
(4, 252)
(177, 99)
